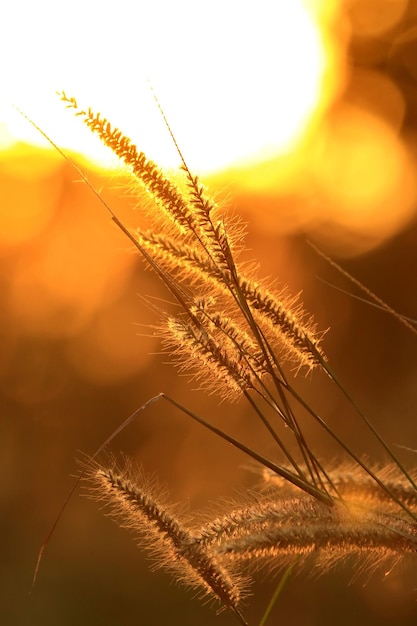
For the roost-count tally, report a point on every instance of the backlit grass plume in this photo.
(135, 502)
(202, 247)
(235, 334)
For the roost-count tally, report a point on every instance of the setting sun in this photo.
(258, 99)
(236, 83)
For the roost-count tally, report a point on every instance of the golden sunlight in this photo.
(236, 80)
(267, 103)
(237, 83)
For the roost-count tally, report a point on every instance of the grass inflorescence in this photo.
(235, 333)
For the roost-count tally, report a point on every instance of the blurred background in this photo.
(301, 117)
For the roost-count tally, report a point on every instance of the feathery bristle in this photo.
(235, 342)
(304, 526)
(213, 360)
(209, 253)
(287, 321)
(355, 485)
(171, 543)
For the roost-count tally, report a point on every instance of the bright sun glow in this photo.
(237, 80)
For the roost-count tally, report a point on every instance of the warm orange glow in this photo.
(368, 177)
(105, 352)
(65, 258)
(375, 17)
(374, 92)
(302, 115)
(306, 143)
(25, 206)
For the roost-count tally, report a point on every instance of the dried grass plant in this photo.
(234, 333)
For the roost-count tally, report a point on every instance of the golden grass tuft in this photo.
(236, 334)
(138, 504)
